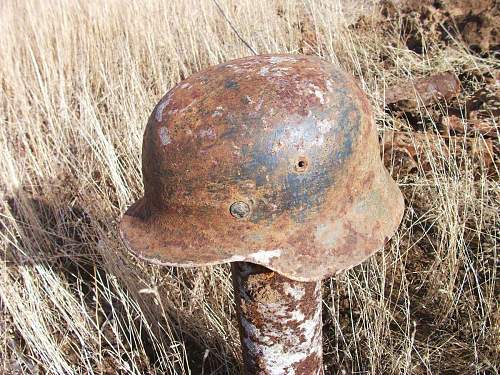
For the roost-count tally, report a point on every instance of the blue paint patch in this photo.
(231, 84)
(284, 189)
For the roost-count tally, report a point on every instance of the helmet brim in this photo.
(331, 241)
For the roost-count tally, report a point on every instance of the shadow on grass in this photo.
(65, 238)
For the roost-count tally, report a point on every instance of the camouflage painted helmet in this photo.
(270, 159)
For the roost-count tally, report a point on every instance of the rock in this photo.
(410, 94)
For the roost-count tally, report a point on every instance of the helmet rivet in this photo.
(239, 209)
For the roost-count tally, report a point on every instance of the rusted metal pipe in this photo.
(280, 322)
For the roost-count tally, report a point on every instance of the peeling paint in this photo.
(296, 290)
(329, 85)
(281, 59)
(259, 104)
(164, 136)
(324, 126)
(306, 224)
(264, 71)
(280, 322)
(218, 112)
(161, 107)
(208, 133)
(319, 95)
(264, 256)
(280, 71)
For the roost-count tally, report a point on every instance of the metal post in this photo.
(280, 322)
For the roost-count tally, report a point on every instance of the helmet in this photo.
(270, 159)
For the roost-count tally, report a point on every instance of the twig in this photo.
(234, 29)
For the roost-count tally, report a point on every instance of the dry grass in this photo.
(78, 80)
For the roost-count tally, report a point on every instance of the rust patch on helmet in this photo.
(293, 138)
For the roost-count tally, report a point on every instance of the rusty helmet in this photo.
(270, 159)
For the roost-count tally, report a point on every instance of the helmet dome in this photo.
(270, 159)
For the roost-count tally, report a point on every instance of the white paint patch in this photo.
(324, 126)
(329, 85)
(208, 133)
(316, 91)
(164, 136)
(161, 107)
(243, 66)
(319, 140)
(277, 147)
(280, 59)
(280, 351)
(319, 95)
(236, 258)
(295, 138)
(297, 316)
(259, 104)
(279, 71)
(218, 112)
(297, 291)
(264, 71)
(265, 256)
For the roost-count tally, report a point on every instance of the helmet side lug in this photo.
(240, 209)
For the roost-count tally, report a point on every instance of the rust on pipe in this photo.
(279, 321)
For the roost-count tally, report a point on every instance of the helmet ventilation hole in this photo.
(301, 164)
